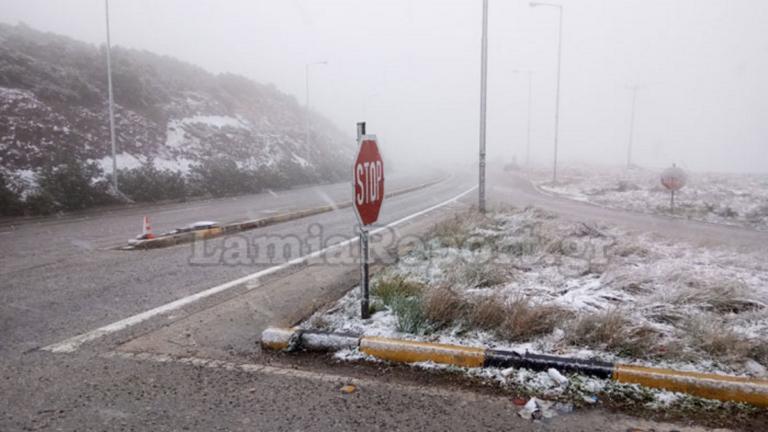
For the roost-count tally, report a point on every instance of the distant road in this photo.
(61, 277)
(516, 190)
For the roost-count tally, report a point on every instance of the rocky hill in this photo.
(181, 131)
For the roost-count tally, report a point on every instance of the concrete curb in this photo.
(190, 236)
(710, 386)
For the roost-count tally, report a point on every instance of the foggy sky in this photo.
(411, 69)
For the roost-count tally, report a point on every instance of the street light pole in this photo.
(111, 102)
(529, 72)
(631, 125)
(528, 128)
(306, 79)
(483, 93)
(559, 60)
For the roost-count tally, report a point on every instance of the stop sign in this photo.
(368, 180)
(673, 178)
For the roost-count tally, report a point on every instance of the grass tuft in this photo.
(410, 315)
(525, 319)
(389, 288)
(613, 331)
(443, 306)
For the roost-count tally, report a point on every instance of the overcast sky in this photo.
(411, 69)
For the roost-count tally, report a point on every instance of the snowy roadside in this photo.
(524, 280)
(731, 199)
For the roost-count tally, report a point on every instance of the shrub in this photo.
(10, 198)
(222, 177)
(68, 184)
(147, 183)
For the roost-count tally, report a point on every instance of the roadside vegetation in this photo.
(522, 278)
(731, 199)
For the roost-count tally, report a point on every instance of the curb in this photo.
(706, 385)
(188, 237)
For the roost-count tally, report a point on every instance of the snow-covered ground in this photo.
(733, 199)
(525, 280)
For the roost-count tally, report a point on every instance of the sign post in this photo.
(673, 179)
(368, 188)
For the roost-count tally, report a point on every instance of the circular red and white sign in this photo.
(673, 178)
(368, 180)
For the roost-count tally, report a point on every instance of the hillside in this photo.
(181, 131)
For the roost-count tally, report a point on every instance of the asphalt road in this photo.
(59, 279)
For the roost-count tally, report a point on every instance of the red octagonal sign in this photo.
(368, 180)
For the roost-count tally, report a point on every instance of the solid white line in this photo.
(73, 343)
(291, 372)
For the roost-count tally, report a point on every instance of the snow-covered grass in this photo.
(733, 199)
(525, 280)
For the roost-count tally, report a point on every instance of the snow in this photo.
(653, 281)
(181, 164)
(124, 161)
(731, 199)
(300, 160)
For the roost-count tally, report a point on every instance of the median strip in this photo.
(706, 385)
(167, 240)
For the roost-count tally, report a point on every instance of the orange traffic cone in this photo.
(146, 232)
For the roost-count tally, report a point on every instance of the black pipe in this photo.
(540, 362)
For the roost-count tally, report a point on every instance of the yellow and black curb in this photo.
(711, 386)
(190, 236)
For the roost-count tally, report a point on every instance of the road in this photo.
(61, 279)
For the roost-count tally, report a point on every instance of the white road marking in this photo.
(296, 373)
(73, 343)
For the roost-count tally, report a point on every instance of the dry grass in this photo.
(478, 274)
(713, 336)
(720, 297)
(525, 319)
(451, 232)
(518, 320)
(487, 313)
(443, 306)
(613, 331)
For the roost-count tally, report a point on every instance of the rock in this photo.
(557, 376)
(536, 409)
(507, 372)
(519, 401)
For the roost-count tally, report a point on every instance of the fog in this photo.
(411, 69)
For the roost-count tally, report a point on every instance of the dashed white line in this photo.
(73, 343)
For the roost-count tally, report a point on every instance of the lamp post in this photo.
(528, 126)
(111, 102)
(306, 78)
(631, 125)
(559, 58)
(483, 93)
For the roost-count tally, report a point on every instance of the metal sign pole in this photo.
(672, 203)
(365, 312)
